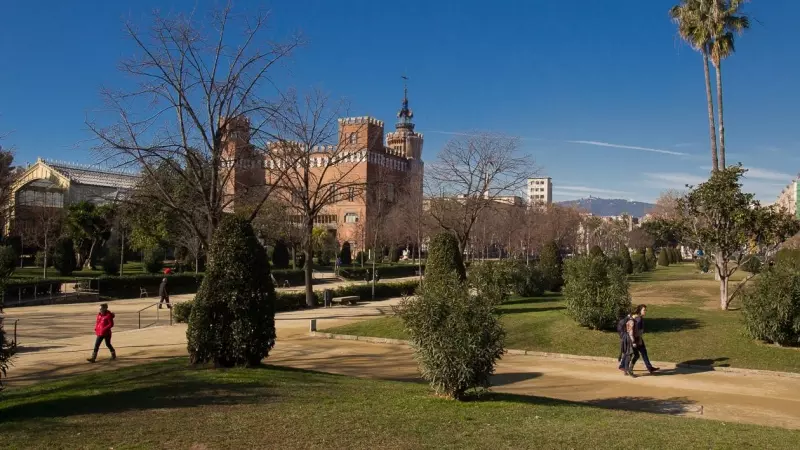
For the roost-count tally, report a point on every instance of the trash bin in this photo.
(327, 297)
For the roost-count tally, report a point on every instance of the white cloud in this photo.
(766, 174)
(674, 180)
(628, 147)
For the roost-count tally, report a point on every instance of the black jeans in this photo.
(101, 339)
(164, 299)
(641, 350)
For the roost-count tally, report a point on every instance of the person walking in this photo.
(641, 348)
(634, 328)
(102, 329)
(163, 292)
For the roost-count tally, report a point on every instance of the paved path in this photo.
(760, 399)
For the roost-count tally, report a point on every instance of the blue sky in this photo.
(605, 97)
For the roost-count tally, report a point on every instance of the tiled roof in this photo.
(93, 176)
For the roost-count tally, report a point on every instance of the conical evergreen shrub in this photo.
(233, 318)
(663, 257)
(551, 266)
(444, 258)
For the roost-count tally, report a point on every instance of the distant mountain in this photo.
(610, 207)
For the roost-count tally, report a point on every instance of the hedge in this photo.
(398, 271)
(291, 301)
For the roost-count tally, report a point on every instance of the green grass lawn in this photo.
(169, 405)
(683, 324)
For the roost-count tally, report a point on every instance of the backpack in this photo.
(621, 324)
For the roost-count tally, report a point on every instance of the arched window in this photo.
(351, 218)
(353, 138)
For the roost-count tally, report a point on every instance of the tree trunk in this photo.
(311, 301)
(723, 292)
(122, 254)
(711, 122)
(91, 252)
(718, 68)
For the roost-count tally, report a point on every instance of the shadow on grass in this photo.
(506, 311)
(670, 324)
(546, 297)
(671, 406)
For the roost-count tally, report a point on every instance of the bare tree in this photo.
(317, 162)
(667, 205)
(198, 79)
(470, 174)
(40, 226)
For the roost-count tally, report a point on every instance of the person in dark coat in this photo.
(163, 292)
(633, 343)
(102, 329)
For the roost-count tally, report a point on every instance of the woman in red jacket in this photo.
(102, 328)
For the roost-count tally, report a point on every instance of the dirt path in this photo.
(759, 399)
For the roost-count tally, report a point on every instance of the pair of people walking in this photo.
(632, 347)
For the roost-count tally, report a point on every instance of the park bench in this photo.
(350, 299)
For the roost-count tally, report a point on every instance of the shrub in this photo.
(360, 258)
(233, 319)
(703, 264)
(771, 306)
(493, 279)
(650, 258)
(395, 253)
(153, 261)
(345, 255)
(788, 256)
(110, 261)
(678, 255)
(7, 349)
(8, 261)
(638, 263)
(752, 265)
(552, 267)
(280, 255)
(626, 263)
(596, 292)
(181, 311)
(529, 281)
(456, 336)
(596, 251)
(396, 271)
(39, 259)
(663, 257)
(64, 257)
(444, 258)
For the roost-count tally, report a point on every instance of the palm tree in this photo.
(692, 18)
(725, 22)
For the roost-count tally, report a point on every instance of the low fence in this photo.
(45, 292)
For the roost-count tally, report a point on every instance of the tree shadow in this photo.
(670, 406)
(503, 379)
(531, 310)
(546, 297)
(670, 324)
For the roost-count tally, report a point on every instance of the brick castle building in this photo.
(365, 158)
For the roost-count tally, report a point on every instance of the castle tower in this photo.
(247, 173)
(404, 141)
(359, 133)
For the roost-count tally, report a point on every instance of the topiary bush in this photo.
(280, 255)
(456, 336)
(153, 261)
(181, 311)
(771, 305)
(7, 349)
(444, 258)
(8, 261)
(596, 292)
(663, 257)
(346, 255)
(552, 267)
(233, 318)
(650, 258)
(493, 279)
(360, 258)
(678, 255)
(596, 251)
(64, 256)
(638, 263)
(529, 281)
(110, 261)
(752, 265)
(625, 261)
(39, 259)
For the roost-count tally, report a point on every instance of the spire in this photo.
(405, 114)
